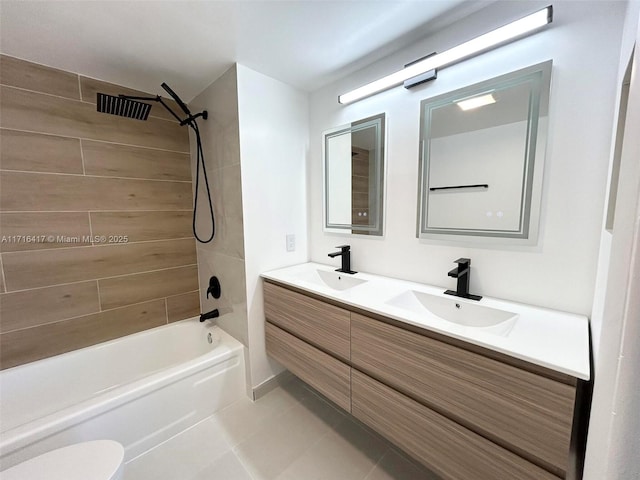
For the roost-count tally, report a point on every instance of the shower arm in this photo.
(187, 121)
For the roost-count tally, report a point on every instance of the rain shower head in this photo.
(123, 106)
(132, 107)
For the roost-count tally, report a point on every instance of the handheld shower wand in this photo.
(135, 107)
(204, 114)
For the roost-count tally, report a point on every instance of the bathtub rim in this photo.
(40, 428)
(106, 343)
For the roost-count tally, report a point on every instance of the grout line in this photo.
(183, 293)
(79, 86)
(142, 147)
(85, 315)
(90, 226)
(220, 253)
(312, 446)
(147, 271)
(52, 286)
(84, 172)
(243, 466)
(99, 296)
(99, 245)
(373, 468)
(275, 415)
(4, 279)
(79, 76)
(86, 102)
(166, 311)
(40, 93)
(93, 176)
(101, 278)
(188, 153)
(96, 211)
(46, 134)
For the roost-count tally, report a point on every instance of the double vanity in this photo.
(473, 389)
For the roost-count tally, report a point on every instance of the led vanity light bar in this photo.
(499, 36)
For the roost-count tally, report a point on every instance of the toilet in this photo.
(96, 460)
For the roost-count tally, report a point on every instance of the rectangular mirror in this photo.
(353, 168)
(482, 156)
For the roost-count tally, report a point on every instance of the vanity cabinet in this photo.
(449, 449)
(329, 376)
(323, 325)
(465, 412)
(525, 412)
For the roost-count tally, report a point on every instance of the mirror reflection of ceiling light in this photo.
(475, 102)
(496, 37)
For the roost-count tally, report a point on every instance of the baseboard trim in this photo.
(271, 383)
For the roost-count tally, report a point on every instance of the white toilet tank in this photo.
(97, 460)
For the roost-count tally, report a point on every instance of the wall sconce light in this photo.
(480, 44)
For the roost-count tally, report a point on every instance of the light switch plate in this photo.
(291, 242)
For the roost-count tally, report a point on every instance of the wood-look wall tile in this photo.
(183, 306)
(42, 268)
(33, 76)
(39, 153)
(360, 198)
(120, 291)
(24, 110)
(91, 86)
(22, 346)
(38, 192)
(2, 289)
(360, 166)
(113, 160)
(29, 308)
(360, 184)
(52, 229)
(143, 226)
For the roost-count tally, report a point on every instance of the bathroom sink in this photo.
(456, 311)
(333, 280)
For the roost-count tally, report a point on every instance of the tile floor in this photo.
(289, 434)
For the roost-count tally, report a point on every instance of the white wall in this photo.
(628, 40)
(614, 438)
(273, 120)
(559, 272)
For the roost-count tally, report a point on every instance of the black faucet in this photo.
(345, 253)
(209, 315)
(461, 272)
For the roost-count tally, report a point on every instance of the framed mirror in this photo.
(353, 172)
(481, 159)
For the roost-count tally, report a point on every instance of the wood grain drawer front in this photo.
(527, 413)
(449, 449)
(323, 325)
(326, 374)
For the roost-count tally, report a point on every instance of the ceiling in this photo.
(188, 44)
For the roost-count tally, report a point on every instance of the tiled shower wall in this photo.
(225, 256)
(95, 216)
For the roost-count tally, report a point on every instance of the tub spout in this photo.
(209, 315)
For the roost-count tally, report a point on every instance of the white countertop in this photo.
(549, 338)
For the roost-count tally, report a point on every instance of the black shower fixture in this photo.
(125, 107)
(136, 107)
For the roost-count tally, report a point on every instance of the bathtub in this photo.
(139, 390)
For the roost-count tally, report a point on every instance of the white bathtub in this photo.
(139, 390)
